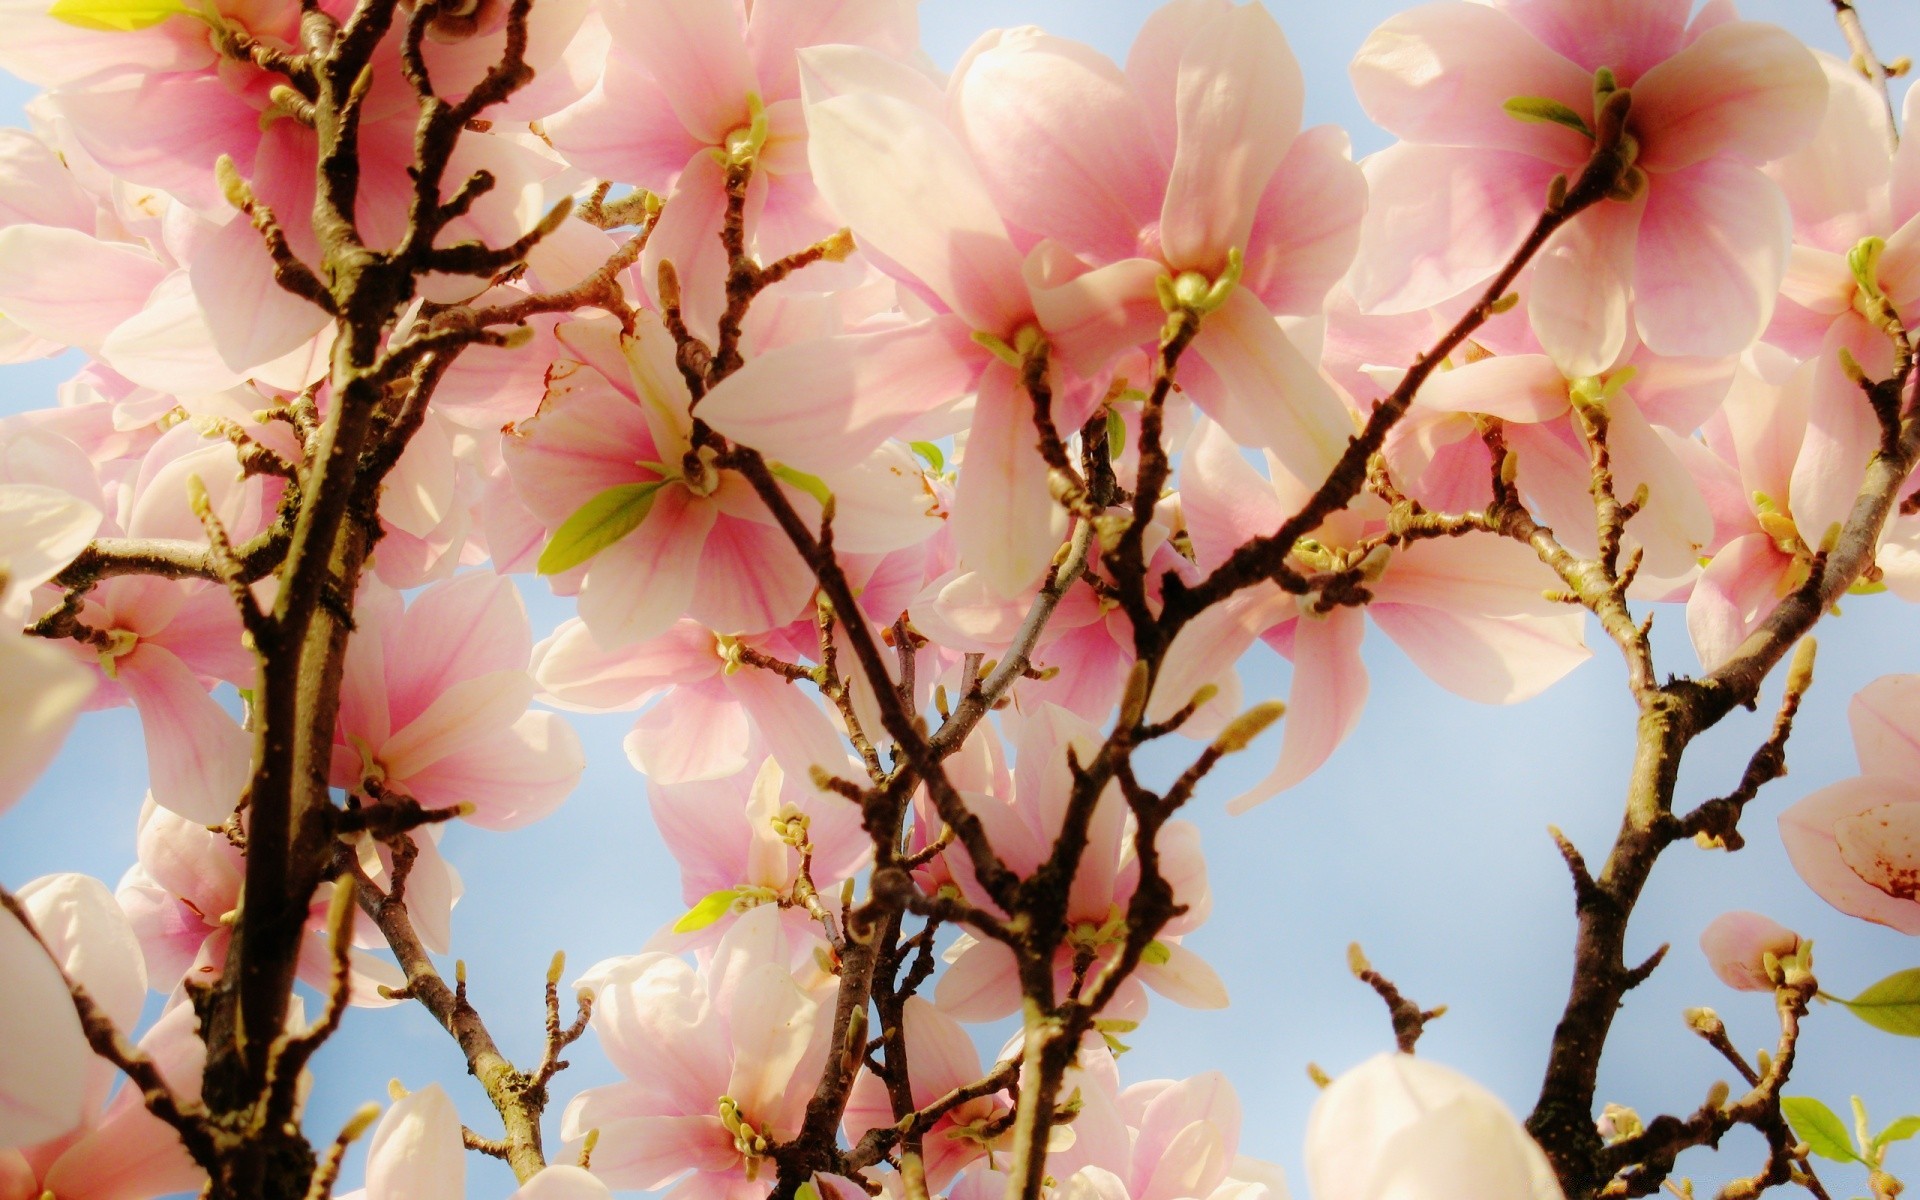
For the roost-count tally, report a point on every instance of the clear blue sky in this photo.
(1424, 838)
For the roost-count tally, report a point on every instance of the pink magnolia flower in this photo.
(981, 982)
(1737, 945)
(711, 709)
(941, 1057)
(686, 85)
(49, 1077)
(1190, 157)
(120, 1151)
(416, 1152)
(1469, 612)
(618, 415)
(739, 842)
(710, 1057)
(1701, 249)
(1408, 1128)
(434, 706)
(181, 899)
(1857, 842)
(41, 690)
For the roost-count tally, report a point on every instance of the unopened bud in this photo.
(1357, 960)
(1800, 674)
(837, 246)
(1247, 726)
(1320, 1078)
(1864, 263)
(1557, 193)
(556, 968)
(362, 1118)
(1705, 1021)
(1717, 1094)
(232, 186)
(516, 336)
(1506, 303)
(1610, 122)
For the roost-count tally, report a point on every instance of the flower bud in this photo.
(1737, 946)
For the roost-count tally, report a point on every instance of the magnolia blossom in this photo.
(1857, 842)
(1700, 246)
(942, 1057)
(710, 1057)
(1738, 945)
(1398, 1127)
(41, 530)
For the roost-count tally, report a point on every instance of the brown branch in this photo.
(1409, 1019)
(1867, 63)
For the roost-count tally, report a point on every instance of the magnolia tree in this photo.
(924, 452)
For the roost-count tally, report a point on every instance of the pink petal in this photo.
(472, 625)
(697, 52)
(1514, 387)
(1745, 89)
(1307, 226)
(778, 29)
(198, 759)
(1831, 839)
(1061, 142)
(87, 933)
(751, 578)
(1237, 103)
(1580, 285)
(700, 733)
(1092, 317)
(562, 1182)
(1328, 691)
(577, 674)
(928, 213)
(252, 318)
(1494, 660)
(1842, 433)
(514, 778)
(1628, 35)
(416, 1150)
(826, 402)
(67, 287)
(43, 1056)
(981, 984)
(1441, 219)
(625, 128)
(1713, 249)
(688, 236)
(997, 524)
(796, 731)
(1885, 718)
(639, 586)
(1736, 591)
(1264, 392)
(1185, 978)
(463, 717)
(1442, 73)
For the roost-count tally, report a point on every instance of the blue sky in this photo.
(1424, 838)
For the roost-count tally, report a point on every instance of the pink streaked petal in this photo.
(1735, 592)
(688, 236)
(464, 716)
(471, 625)
(824, 402)
(169, 345)
(1442, 74)
(513, 778)
(1153, 63)
(1441, 219)
(639, 586)
(1061, 142)
(1307, 226)
(1237, 103)
(1328, 691)
(1885, 718)
(1491, 659)
(561, 1181)
(997, 522)
(43, 1055)
(1581, 283)
(1839, 183)
(1513, 387)
(576, 673)
(1092, 317)
(198, 758)
(751, 579)
(794, 728)
(981, 984)
(1712, 252)
(73, 289)
(1628, 35)
(1676, 524)
(700, 732)
(649, 1152)
(165, 130)
(1264, 392)
(1842, 433)
(1185, 978)
(697, 52)
(927, 213)
(253, 319)
(625, 128)
(1745, 89)
(777, 30)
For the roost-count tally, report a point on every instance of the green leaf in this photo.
(812, 485)
(1893, 1004)
(1156, 954)
(601, 522)
(709, 910)
(1538, 110)
(115, 16)
(1116, 435)
(1899, 1131)
(931, 453)
(1816, 1125)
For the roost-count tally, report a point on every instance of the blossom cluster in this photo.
(915, 445)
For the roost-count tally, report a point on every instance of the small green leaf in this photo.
(931, 453)
(601, 522)
(1538, 110)
(709, 910)
(1156, 954)
(812, 485)
(1893, 1004)
(1816, 1125)
(1899, 1131)
(1116, 435)
(115, 16)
